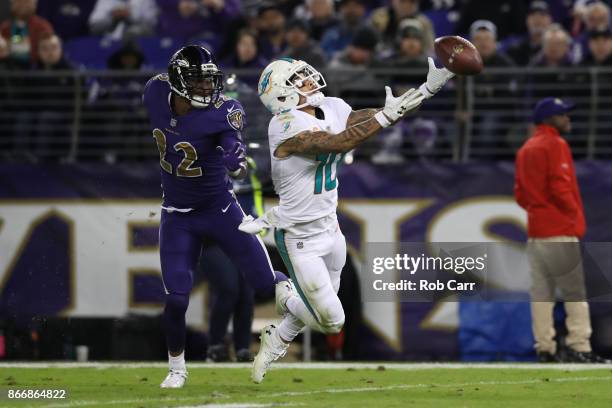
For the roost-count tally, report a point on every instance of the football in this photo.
(458, 55)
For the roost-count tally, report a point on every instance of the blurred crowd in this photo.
(332, 35)
(327, 33)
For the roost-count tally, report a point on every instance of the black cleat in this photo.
(573, 356)
(244, 356)
(217, 353)
(546, 357)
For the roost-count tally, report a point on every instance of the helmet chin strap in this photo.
(315, 100)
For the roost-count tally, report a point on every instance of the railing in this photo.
(92, 115)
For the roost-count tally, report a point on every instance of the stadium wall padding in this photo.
(80, 240)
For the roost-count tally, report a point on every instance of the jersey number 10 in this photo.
(325, 167)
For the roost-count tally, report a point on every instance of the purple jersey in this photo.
(192, 170)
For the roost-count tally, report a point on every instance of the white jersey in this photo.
(307, 185)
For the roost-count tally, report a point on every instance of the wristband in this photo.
(425, 91)
(381, 118)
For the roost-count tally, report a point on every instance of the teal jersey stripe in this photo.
(279, 237)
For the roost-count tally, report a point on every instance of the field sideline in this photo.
(315, 384)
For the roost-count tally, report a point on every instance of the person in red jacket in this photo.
(23, 31)
(546, 187)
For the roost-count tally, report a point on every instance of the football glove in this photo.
(436, 79)
(234, 159)
(397, 107)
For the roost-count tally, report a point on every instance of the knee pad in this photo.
(176, 304)
(334, 327)
(332, 318)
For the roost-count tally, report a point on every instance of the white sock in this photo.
(289, 328)
(177, 363)
(298, 308)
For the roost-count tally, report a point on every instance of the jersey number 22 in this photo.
(184, 168)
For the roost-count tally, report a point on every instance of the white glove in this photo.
(397, 107)
(253, 226)
(436, 79)
(270, 219)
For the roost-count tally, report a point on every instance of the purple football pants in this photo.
(180, 243)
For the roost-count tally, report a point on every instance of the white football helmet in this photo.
(280, 81)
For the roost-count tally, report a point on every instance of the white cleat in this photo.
(282, 292)
(270, 349)
(174, 379)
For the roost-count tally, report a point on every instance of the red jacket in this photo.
(38, 27)
(546, 187)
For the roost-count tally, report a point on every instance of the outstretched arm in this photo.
(324, 142)
(361, 116)
(360, 126)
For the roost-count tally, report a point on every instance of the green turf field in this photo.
(359, 385)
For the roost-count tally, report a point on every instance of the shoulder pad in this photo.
(222, 99)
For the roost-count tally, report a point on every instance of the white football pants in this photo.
(314, 264)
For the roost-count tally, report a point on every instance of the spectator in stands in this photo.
(300, 46)
(123, 18)
(51, 54)
(387, 19)
(507, 15)
(54, 100)
(246, 56)
(186, 19)
(491, 116)
(361, 52)
(423, 136)
(68, 17)
(538, 20)
(555, 49)
(409, 54)
(357, 83)
(120, 98)
(321, 17)
(45, 104)
(271, 26)
(23, 32)
(600, 49)
(5, 54)
(600, 55)
(559, 83)
(596, 17)
(337, 38)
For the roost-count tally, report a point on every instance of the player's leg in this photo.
(318, 305)
(336, 259)
(291, 326)
(224, 281)
(179, 251)
(246, 251)
(243, 320)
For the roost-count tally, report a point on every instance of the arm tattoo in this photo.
(360, 116)
(323, 142)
